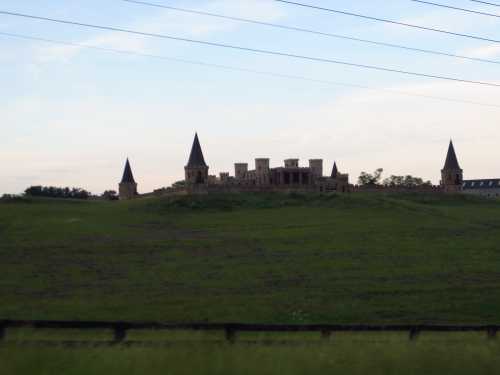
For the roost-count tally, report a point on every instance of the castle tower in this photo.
(316, 166)
(451, 174)
(240, 170)
(262, 171)
(196, 170)
(127, 187)
(335, 170)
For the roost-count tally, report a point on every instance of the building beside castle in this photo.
(291, 176)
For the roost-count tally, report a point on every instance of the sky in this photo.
(70, 116)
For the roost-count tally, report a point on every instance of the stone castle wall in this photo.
(397, 189)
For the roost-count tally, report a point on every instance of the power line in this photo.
(457, 8)
(293, 28)
(247, 70)
(470, 36)
(254, 50)
(485, 2)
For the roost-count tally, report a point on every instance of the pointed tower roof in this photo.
(451, 158)
(335, 170)
(196, 158)
(128, 177)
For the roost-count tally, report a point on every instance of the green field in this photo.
(272, 258)
(379, 354)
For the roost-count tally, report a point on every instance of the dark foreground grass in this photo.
(253, 258)
(381, 356)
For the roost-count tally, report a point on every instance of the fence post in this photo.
(120, 333)
(326, 334)
(492, 333)
(414, 333)
(230, 334)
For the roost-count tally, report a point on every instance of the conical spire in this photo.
(451, 158)
(335, 171)
(128, 177)
(196, 158)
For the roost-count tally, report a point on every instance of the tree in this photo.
(110, 195)
(179, 184)
(407, 181)
(34, 191)
(367, 179)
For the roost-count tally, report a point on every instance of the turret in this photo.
(262, 171)
(451, 174)
(127, 187)
(196, 170)
(335, 170)
(240, 170)
(291, 163)
(316, 166)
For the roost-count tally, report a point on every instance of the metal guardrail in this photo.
(121, 328)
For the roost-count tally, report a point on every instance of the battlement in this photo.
(291, 163)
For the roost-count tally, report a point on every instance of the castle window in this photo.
(305, 178)
(491, 183)
(482, 183)
(472, 184)
(287, 178)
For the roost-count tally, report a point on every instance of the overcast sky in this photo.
(70, 116)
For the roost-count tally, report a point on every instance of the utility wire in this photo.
(470, 36)
(253, 50)
(293, 28)
(247, 70)
(486, 3)
(457, 8)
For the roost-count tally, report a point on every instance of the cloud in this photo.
(483, 52)
(168, 22)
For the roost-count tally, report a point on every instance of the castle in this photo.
(292, 177)
(288, 177)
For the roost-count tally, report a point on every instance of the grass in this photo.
(380, 354)
(270, 258)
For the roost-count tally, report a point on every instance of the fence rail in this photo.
(121, 328)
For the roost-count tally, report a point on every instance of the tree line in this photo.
(57, 192)
(375, 179)
(61, 193)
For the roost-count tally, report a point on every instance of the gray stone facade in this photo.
(290, 176)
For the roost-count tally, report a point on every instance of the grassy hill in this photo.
(253, 258)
